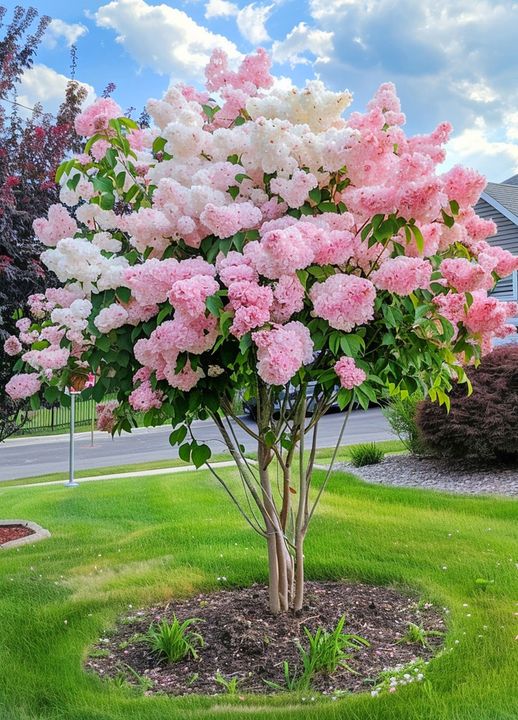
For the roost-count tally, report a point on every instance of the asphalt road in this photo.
(25, 457)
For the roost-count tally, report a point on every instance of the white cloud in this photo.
(220, 8)
(58, 29)
(163, 38)
(42, 84)
(479, 92)
(251, 19)
(300, 40)
(477, 146)
(251, 23)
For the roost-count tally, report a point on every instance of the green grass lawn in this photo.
(137, 541)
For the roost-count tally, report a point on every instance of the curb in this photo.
(38, 533)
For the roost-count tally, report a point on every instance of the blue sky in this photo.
(451, 60)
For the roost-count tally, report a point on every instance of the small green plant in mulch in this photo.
(417, 635)
(326, 652)
(173, 641)
(229, 685)
(366, 454)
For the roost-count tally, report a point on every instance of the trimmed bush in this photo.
(401, 415)
(367, 454)
(483, 425)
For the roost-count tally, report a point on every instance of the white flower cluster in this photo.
(78, 259)
(314, 105)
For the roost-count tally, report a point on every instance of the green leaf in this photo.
(454, 205)
(233, 191)
(110, 157)
(107, 201)
(102, 183)
(240, 120)
(178, 435)
(241, 176)
(245, 343)
(365, 231)
(158, 145)
(124, 294)
(419, 239)
(210, 110)
(269, 438)
(327, 206)
(214, 304)
(184, 452)
(35, 402)
(164, 312)
(447, 219)
(315, 195)
(200, 454)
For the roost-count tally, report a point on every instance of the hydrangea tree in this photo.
(254, 243)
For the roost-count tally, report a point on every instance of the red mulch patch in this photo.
(13, 532)
(244, 641)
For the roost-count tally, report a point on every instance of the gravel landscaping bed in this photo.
(438, 474)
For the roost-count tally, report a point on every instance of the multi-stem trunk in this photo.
(281, 511)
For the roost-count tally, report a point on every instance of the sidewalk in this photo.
(136, 473)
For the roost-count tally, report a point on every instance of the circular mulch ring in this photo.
(244, 641)
(454, 476)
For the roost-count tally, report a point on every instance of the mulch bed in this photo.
(13, 532)
(243, 640)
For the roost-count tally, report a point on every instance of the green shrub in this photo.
(482, 426)
(367, 454)
(173, 641)
(401, 415)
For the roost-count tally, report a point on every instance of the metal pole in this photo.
(71, 481)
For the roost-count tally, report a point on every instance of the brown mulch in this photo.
(243, 640)
(13, 532)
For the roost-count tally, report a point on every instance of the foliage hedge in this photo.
(483, 425)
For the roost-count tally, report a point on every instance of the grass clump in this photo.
(173, 641)
(326, 652)
(417, 635)
(366, 454)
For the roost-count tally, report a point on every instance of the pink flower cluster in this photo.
(59, 225)
(294, 191)
(403, 275)
(349, 373)
(282, 351)
(465, 276)
(96, 117)
(23, 386)
(144, 398)
(345, 301)
(12, 346)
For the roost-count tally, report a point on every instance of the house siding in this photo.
(506, 237)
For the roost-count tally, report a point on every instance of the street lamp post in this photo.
(71, 481)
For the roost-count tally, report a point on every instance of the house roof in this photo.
(511, 181)
(504, 196)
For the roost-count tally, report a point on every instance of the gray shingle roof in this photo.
(512, 180)
(504, 193)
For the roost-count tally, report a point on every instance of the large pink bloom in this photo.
(402, 275)
(282, 351)
(23, 386)
(344, 301)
